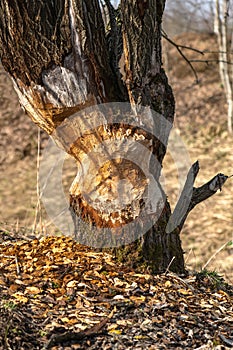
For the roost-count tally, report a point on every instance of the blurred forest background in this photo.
(201, 121)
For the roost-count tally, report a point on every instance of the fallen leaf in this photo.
(32, 290)
(115, 331)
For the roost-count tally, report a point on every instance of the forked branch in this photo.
(191, 196)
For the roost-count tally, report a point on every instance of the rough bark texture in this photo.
(56, 56)
(61, 61)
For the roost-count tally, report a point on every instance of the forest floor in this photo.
(56, 294)
(51, 285)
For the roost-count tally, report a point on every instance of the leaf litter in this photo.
(57, 294)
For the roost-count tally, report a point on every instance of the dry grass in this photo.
(201, 120)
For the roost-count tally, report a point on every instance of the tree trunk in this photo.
(225, 61)
(63, 58)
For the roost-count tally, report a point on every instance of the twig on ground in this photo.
(181, 280)
(167, 269)
(17, 265)
(72, 336)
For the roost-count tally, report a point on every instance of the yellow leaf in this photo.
(56, 250)
(20, 297)
(32, 290)
(138, 300)
(67, 260)
(168, 284)
(140, 337)
(71, 284)
(118, 282)
(112, 327)
(18, 281)
(145, 276)
(184, 291)
(115, 331)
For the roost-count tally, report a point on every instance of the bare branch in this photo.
(209, 61)
(178, 47)
(180, 211)
(190, 61)
(165, 36)
(192, 196)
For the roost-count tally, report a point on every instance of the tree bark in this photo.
(225, 61)
(63, 60)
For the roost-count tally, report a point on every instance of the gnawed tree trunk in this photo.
(63, 60)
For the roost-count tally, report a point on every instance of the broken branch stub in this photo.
(191, 196)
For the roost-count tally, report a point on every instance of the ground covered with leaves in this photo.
(56, 294)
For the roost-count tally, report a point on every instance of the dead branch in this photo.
(75, 336)
(179, 47)
(191, 196)
(191, 61)
(165, 36)
(210, 61)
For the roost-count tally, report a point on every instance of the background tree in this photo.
(223, 31)
(63, 58)
(214, 16)
(188, 16)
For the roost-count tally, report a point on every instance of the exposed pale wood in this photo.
(64, 65)
(66, 62)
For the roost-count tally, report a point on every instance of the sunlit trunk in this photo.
(64, 59)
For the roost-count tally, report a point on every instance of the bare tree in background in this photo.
(225, 54)
(188, 16)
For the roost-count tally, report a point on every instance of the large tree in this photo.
(67, 55)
